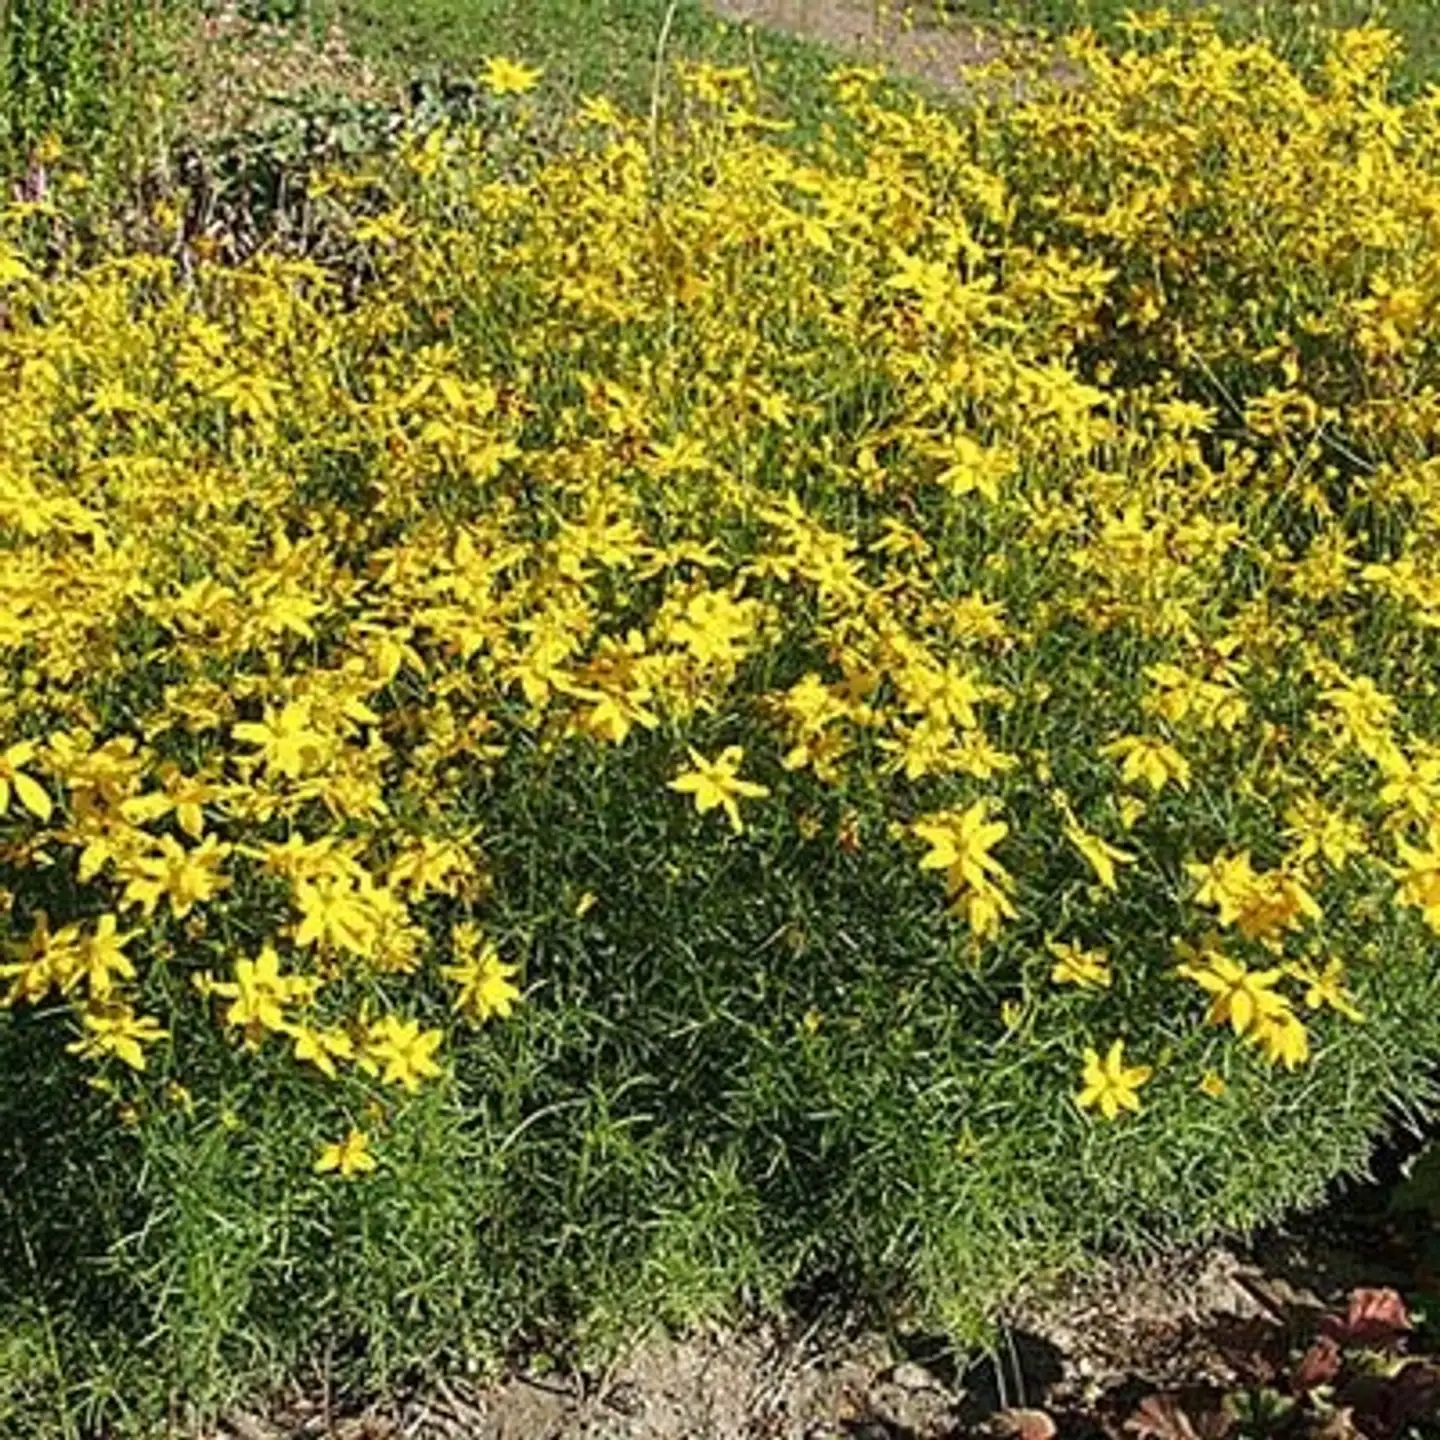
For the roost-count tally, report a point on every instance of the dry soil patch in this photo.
(926, 43)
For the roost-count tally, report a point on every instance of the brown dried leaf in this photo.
(1373, 1317)
(1337, 1425)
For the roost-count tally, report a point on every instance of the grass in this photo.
(587, 47)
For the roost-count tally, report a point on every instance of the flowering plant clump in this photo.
(895, 677)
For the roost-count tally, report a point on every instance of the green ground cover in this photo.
(1042, 511)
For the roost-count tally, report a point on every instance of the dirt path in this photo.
(930, 46)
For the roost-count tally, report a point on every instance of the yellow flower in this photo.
(1145, 759)
(483, 978)
(714, 782)
(1226, 883)
(287, 743)
(47, 960)
(183, 794)
(321, 1047)
(187, 877)
(428, 864)
(1212, 1084)
(403, 1050)
(1109, 1085)
(983, 909)
(714, 627)
(1326, 987)
(103, 956)
(1101, 855)
(336, 913)
(1131, 809)
(1282, 1036)
(12, 267)
(30, 793)
(960, 844)
(1089, 969)
(1315, 830)
(351, 1156)
(1420, 879)
(1242, 996)
(598, 110)
(1277, 901)
(1364, 713)
(117, 1030)
(259, 992)
(508, 77)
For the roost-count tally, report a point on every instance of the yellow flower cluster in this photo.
(1057, 474)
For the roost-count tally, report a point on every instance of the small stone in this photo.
(910, 1376)
(1025, 1424)
(625, 1398)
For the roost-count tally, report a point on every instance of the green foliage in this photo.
(81, 75)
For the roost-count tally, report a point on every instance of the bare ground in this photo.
(1082, 1361)
(922, 41)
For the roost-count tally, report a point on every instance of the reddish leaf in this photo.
(1374, 1317)
(1159, 1417)
(1256, 1347)
(1319, 1365)
(1418, 1390)
(1025, 1424)
(1384, 1404)
(1196, 1414)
